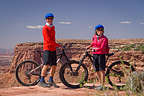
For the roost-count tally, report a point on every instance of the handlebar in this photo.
(109, 54)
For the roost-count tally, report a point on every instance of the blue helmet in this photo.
(49, 15)
(99, 26)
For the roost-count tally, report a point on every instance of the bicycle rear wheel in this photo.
(73, 79)
(24, 74)
(117, 73)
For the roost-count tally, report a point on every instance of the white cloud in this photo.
(125, 22)
(65, 22)
(142, 23)
(40, 26)
(34, 26)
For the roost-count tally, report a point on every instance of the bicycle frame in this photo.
(67, 59)
(60, 55)
(90, 57)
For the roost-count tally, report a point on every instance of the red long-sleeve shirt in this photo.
(49, 38)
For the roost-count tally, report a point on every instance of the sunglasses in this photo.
(100, 29)
(50, 18)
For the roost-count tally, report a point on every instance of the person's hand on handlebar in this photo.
(88, 47)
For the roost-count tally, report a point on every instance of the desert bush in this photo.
(140, 48)
(135, 83)
(135, 47)
(128, 47)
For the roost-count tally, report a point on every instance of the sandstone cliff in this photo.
(74, 50)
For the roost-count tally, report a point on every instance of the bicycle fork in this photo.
(80, 63)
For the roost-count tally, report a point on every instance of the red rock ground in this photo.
(62, 91)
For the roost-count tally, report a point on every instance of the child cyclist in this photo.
(49, 55)
(100, 48)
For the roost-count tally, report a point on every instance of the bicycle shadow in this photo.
(89, 87)
(93, 87)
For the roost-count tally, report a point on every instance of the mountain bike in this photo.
(115, 72)
(28, 72)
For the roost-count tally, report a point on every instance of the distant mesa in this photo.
(6, 51)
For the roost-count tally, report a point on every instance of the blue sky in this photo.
(21, 20)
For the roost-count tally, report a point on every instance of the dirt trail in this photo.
(62, 91)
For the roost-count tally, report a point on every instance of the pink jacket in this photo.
(100, 45)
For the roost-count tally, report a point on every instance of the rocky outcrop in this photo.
(25, 51)
(75, 50)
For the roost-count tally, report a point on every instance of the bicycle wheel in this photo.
(117, 73)
(73, 79)
(25, 75)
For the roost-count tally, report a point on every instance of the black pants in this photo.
(49, 57)
(99, 62)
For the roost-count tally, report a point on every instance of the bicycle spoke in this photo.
(118, 74)
(25, 74)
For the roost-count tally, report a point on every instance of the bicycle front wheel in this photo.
(73, 79)
(25, 74)
(118, 72)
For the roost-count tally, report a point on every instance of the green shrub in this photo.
(140, 48)
(135, 83)
(128, 47)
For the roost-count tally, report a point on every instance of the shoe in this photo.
(43, 84)
(100, 88)
(53, 84)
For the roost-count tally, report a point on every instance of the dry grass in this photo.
(135, 83)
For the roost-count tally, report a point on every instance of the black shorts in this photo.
(99, 62)
(49, 57)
